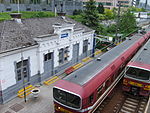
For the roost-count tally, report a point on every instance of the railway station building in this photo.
(36, 49)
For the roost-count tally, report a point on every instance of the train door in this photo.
(99, 91)
(108, 83)
(91, 99)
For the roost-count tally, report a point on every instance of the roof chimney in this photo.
(16, 17)
(61, 13)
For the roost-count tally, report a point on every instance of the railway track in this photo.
(131, 105)
(123, 103)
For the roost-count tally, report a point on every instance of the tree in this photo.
(100, 8)
(127, 22)
(77, 12)
(108, 14)
(90, 16)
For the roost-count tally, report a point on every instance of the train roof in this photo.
(87, 72)
(143, 55)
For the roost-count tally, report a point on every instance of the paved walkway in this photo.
(43, 104)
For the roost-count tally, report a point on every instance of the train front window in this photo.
(138, 73)
(66, 98)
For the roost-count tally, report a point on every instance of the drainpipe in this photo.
(94, 45)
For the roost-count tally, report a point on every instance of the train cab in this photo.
(136, 81)
(137, 74)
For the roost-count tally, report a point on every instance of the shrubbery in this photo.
(25, 14)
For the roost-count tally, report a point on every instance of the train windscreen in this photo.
(66, 98)
(138, 73)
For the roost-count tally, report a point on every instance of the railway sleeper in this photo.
(142, 109)
(133, 100)
(129, 102)
(128, 109)
(124, 111)
(129, 105)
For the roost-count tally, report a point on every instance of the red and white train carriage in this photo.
(137, 74)
(82, 90)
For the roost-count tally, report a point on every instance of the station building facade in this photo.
(41, 47)
(68, 6)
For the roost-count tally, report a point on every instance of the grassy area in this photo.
(25, 14)
(77, 18)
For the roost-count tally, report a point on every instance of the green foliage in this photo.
(5, 16)
(127, 22)
(111, 29)
(134, 9)
(77, 18)
(77, 12)
(100, 8)
(25, 14)
(114, 10)
(37, 14)
(2, 19)
(101, 16)
(108, 14)
(90, 16)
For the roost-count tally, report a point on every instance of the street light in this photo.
(22, 75)
(18, 7)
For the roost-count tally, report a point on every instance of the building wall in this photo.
(9, 85)
(112, 3)
(43, 5)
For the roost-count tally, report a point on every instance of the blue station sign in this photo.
(64, 35)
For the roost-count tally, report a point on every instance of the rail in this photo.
(146, 109)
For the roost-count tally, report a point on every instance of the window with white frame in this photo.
(63, 55)
(85, 46)
(22, 69)
(47, 56)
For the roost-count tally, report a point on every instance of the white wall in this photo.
(45, 44)
(8, 66)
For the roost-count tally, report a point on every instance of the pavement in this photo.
(42, 104)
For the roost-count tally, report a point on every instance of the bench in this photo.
(69, 70)
(97, 52)
(52, 80)
(77, 66)
(86, 59)
(27, 90)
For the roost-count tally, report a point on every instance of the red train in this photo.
(137, 73)
(82, 90)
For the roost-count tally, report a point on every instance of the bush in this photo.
(77, 12)
(2, 19)
(27, 14)
(77, 18)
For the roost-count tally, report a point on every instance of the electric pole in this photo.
(22, 76)
(117, 23)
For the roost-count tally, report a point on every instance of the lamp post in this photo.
(18, 6)
(22, 76)
(118, 20)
